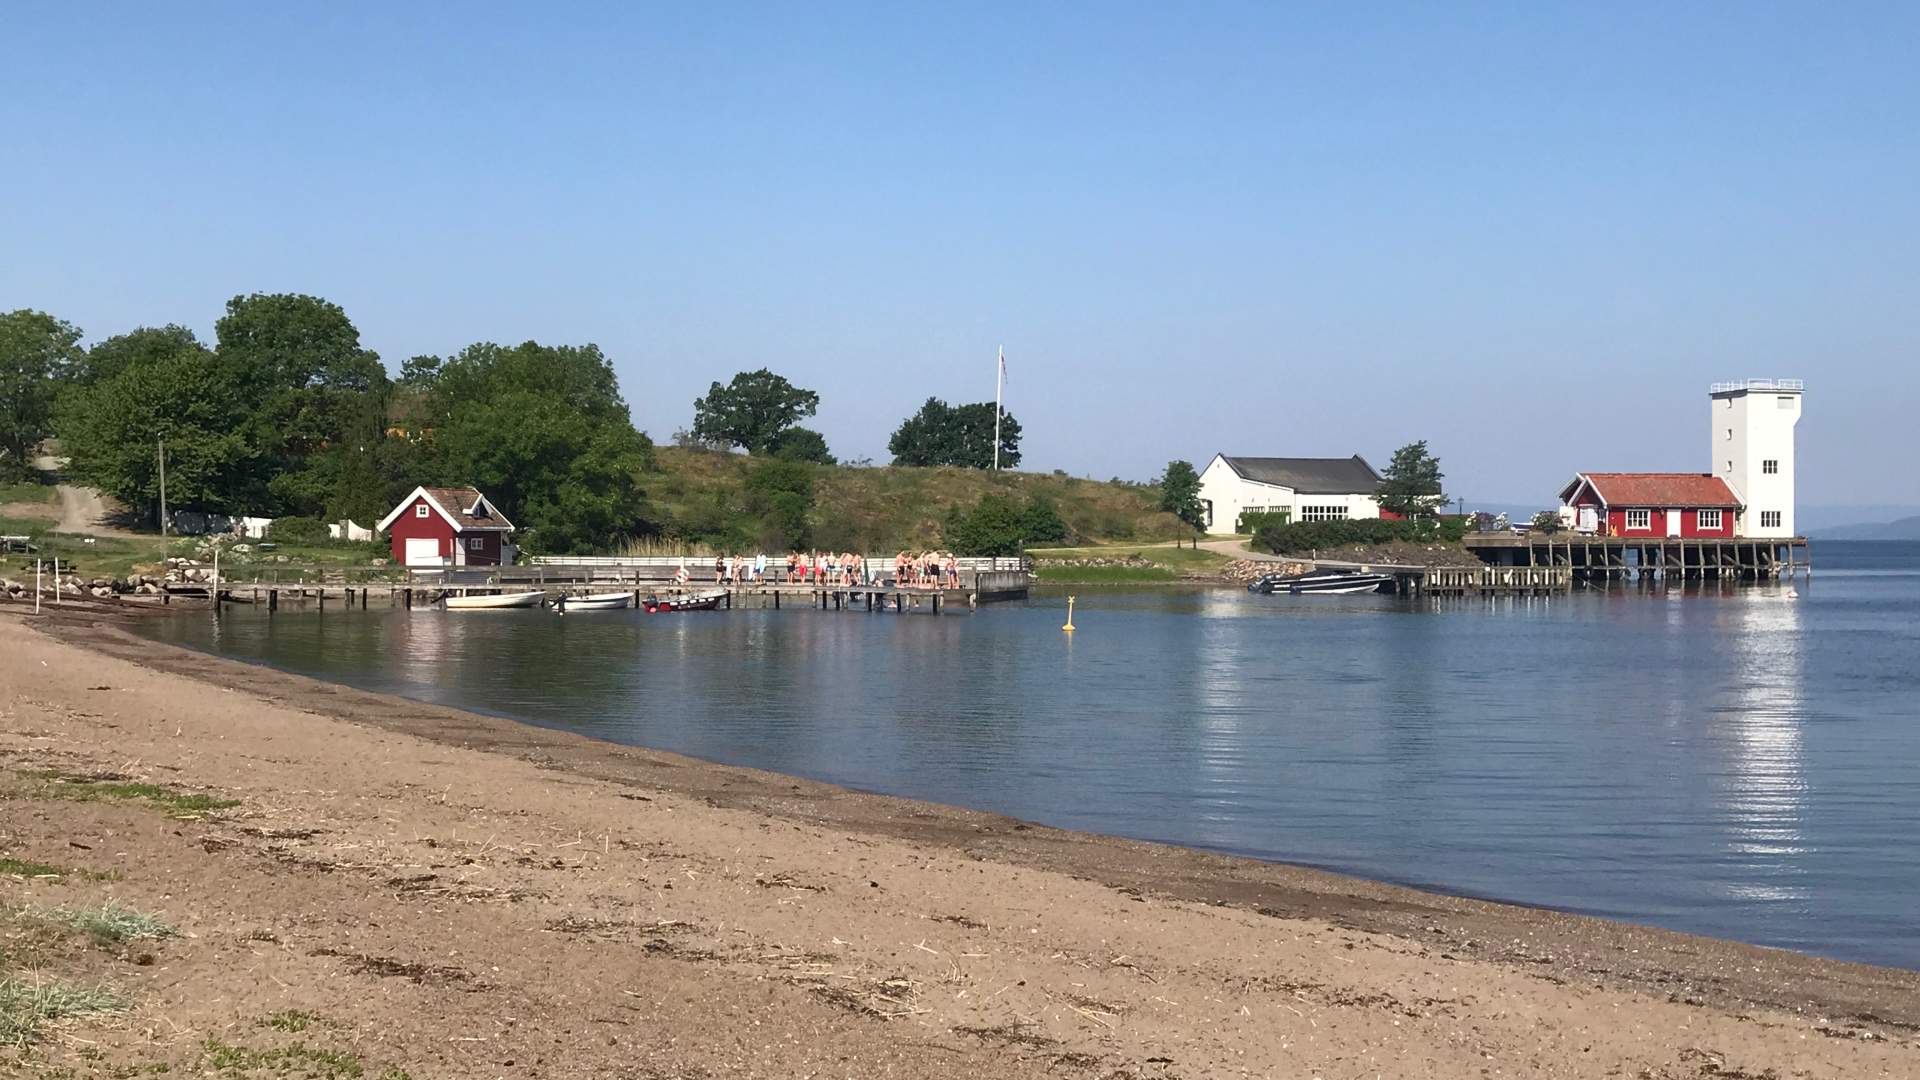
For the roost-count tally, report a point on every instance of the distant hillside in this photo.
(1906, 528)
(700, 496)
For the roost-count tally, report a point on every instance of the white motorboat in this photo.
(1322, 581)
(593, 602)
(495, 600)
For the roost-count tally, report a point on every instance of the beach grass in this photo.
(1063, 574)
(186, 805)
(297, 1059)
(107, 923)
(28, 1004)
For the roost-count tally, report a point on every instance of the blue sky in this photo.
(1530, 234)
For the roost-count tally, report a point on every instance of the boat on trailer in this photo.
(706, 601)
(1333, 582)
(495, 600)
(611, 601)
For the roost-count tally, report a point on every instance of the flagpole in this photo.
(999, 378)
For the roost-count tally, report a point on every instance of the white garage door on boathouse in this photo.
(423, 552)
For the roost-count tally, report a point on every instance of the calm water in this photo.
(1735, 762)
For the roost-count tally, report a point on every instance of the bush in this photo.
(1291, 539)
(298, 530)
(1252, 523)
(998, 525)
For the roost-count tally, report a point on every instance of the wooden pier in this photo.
(1621, 558)
(981, 581)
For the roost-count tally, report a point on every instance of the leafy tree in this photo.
(1411, 485)
(752, 411)
(314, 387)
(942, 434)
(802, 444)
(161, 383)
(780, 492)
(1000, 525)
(1180, 494)
(37, 352)
(544, 432)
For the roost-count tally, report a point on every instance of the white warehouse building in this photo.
(1304, 489)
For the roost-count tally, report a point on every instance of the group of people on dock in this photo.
(925, 569)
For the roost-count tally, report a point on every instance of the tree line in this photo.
(285, 413)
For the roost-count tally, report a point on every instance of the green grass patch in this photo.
(28, 492)
(1194, 560)
(293, 1021)
(185, 805)
(28, 1004)
(29, 868)
(298, 1059)
(108, 923)
(1058, 574)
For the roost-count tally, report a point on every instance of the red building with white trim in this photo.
(1689, 506)
(448, 526)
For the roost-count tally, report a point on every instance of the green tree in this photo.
(1411, 485)
(159, 384)
(752, 411)
(1001, 525)
(313, 384)
(942, 434)
(544, 432)
(780, 492)
(1180, 494)
(802, 444)
(37, 354)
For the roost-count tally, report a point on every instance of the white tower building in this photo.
(1753, 449)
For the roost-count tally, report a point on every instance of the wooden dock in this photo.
(1621, 558)
(985, 581)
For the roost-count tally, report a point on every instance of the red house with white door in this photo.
(448, 526)
(1688, 506)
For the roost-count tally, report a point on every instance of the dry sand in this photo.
(442, 894)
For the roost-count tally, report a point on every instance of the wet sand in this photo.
(460, 895)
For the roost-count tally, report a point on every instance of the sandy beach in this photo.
(423, 892)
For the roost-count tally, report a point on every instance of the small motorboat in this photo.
(1321, 581)
(495, 600)
(706, 601)
(611, 601)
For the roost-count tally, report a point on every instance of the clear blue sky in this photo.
(1530, 234)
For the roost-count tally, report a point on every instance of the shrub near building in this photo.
(1305, 536)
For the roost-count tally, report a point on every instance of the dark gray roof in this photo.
(1310, 475)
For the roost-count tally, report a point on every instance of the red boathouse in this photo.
(1688, 506)
(448, 526)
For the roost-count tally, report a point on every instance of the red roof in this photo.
(462, 507)
(1656, 489)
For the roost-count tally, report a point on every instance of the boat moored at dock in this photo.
(1333, 582)
(488, 601)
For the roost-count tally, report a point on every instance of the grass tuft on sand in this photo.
(29, 869)
(107, 924)
(293, 1021)
(29, 1004)
(298, 1059)
(185, 805)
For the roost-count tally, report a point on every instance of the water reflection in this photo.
(1762, 787)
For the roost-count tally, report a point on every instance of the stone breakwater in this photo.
(1245, 570)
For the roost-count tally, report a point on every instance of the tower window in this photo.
(1770, 466)
(1769, 519)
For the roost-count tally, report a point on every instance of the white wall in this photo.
(1750, 427)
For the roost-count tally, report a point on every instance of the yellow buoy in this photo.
(1069, 626)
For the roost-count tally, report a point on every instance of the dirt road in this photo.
(431, 893)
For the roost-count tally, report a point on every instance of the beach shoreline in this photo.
(1097, 949)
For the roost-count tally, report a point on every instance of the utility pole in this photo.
(163, 489)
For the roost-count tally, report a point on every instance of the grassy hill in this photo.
(700, 496)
